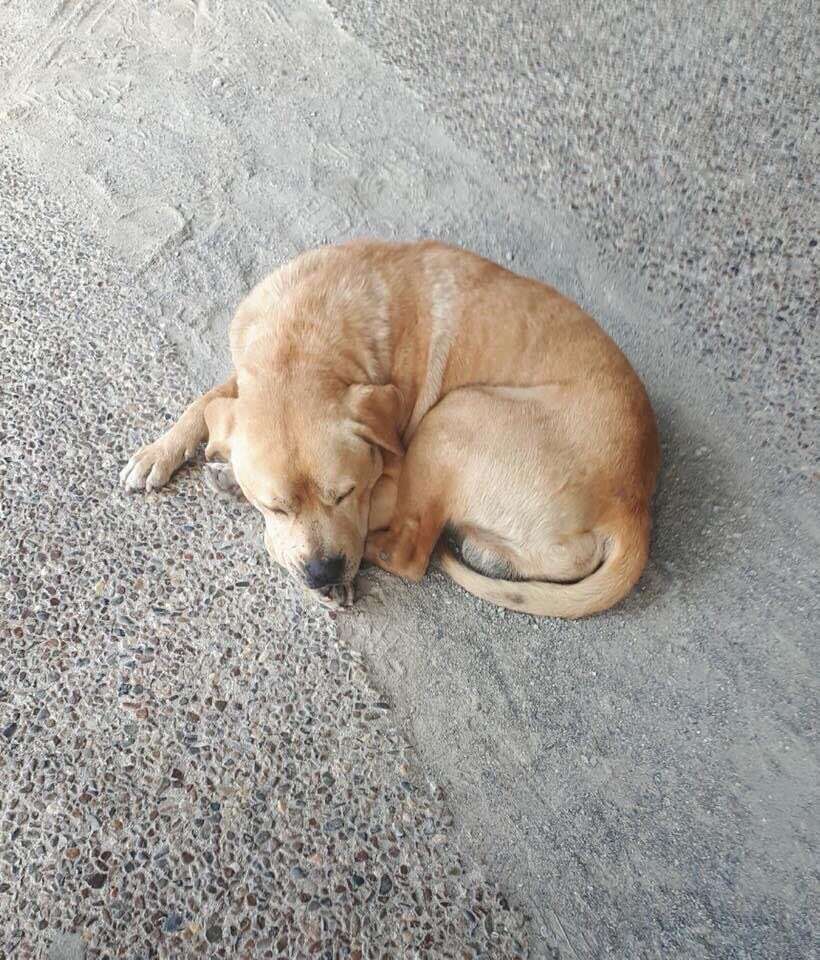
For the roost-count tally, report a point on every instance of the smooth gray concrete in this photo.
(642, 784)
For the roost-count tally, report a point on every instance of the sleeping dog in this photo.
(392, 401)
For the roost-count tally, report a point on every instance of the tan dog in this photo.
(391, 397)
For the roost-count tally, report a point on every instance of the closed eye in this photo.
(270, 508)
(345, 495)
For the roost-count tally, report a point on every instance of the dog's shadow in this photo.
(696, 514)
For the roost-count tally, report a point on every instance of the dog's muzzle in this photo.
(321, 572)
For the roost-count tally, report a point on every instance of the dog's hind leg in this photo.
(152, 466)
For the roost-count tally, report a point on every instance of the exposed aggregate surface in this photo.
(190, 764)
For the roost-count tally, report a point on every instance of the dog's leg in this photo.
(382, 503)
(151, 466)
(418, 519)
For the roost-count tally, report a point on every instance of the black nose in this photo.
(324, 571)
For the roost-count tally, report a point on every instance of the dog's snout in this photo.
(324, 571)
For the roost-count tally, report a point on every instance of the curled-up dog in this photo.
(396, 401)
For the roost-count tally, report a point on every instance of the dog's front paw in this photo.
(220, 478)
(151, 466)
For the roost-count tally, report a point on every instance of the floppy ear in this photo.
(219, 418)
(376, 411)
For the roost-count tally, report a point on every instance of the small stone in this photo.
(173, 922)
(213, 934)
(97, 880)
(385, 886)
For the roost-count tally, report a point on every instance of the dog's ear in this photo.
(375, 411)
(220, 478)
(219, 418)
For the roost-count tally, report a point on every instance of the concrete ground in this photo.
(194, 761)
(684, 143)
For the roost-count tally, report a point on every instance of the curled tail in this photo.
(626, 555)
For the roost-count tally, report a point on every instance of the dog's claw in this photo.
(150, 468)
(338, 597)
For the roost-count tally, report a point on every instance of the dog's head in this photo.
(307, 455)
